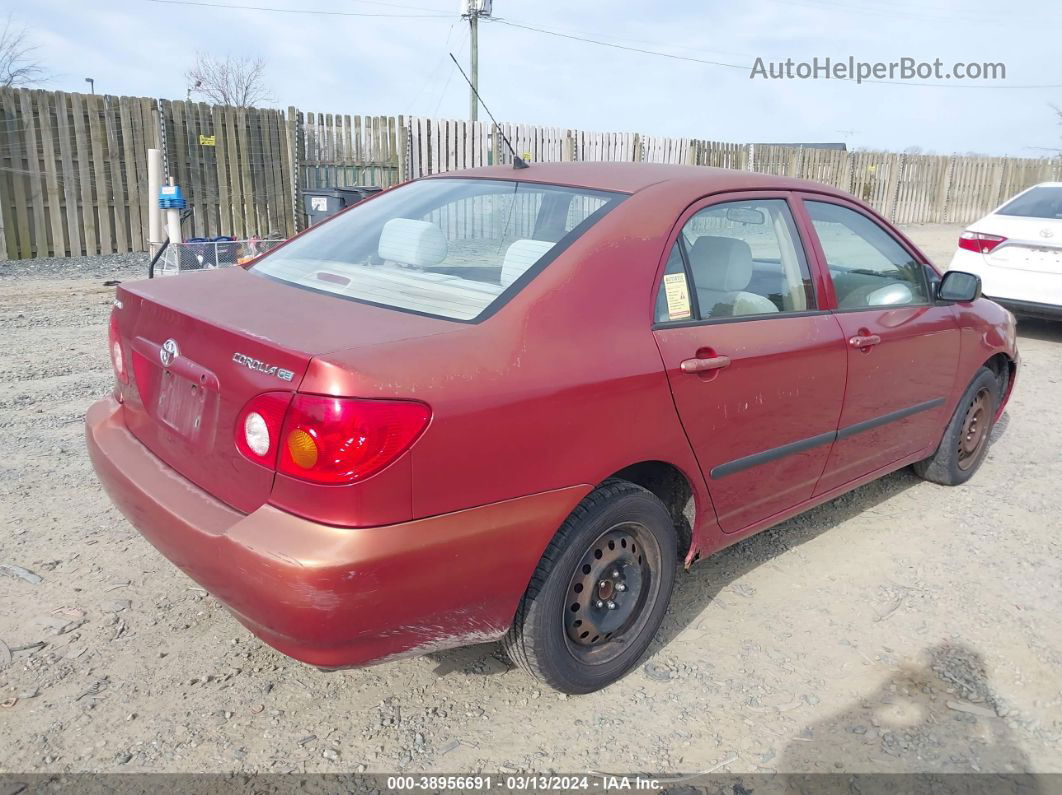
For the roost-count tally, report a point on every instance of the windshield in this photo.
(450, 248)
(1039, 202)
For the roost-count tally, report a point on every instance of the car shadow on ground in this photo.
(1037, 329)
(708, 577)
(936, 713)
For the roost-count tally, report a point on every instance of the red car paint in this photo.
(566, 384)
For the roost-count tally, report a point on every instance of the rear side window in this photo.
(744, 258)
(451, 248)
(868, 266)
(1039, 202)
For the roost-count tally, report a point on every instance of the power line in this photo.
(601, 43)
(319, 12)
(398, 5)
(898, 12)
(446, 85)
(747, 68)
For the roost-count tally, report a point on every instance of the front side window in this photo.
(868, 266)
(744, 258)
(444, 247)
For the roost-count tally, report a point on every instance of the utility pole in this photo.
(473, 64)
(474, 9)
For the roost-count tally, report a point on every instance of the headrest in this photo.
(410, 242)
(891, 294)
(721, 263)
(520, 256)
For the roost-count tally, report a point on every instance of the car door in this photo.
(756, 367)
(902, 347)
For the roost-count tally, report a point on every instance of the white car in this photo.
(1017, 252)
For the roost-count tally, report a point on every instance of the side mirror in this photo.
(959, 286)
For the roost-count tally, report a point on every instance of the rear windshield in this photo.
(1040, 202)
(451, 248)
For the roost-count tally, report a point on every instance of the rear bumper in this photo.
(1021, 291)
(331, 596)
(1030, 308)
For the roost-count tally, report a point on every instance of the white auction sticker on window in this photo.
(678, 296)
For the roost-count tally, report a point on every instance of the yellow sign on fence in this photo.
(208, 140)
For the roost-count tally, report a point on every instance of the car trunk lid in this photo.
(202, 345)
(1032, 244)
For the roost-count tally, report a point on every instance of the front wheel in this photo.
(599, 593)
(965, 441)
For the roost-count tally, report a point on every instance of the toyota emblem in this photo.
(168, 352)
(1046, 233)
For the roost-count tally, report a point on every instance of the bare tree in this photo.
(18, 64)
(238, 82)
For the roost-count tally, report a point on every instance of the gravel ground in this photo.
(902, 627)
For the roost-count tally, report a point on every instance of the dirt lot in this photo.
(903, 627)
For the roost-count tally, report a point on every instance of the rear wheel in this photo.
(599, 593)
(965, 441)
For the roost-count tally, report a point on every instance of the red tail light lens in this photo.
(258, 426)
(115, 345)
(341, 440)
(979, 242)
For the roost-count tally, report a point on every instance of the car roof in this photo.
(632, 177)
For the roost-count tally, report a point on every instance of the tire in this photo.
(966, 439)
(617, 549)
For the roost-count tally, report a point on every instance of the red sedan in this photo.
(502, 404)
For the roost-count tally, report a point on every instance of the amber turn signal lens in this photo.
(302, 448)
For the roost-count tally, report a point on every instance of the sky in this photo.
(389, 57)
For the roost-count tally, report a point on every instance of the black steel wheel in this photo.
(965, 441)
(975, 425)
(600, 591)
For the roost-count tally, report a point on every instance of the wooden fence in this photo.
(233, 166)
(73, 167)
(337, 150)
(73, 173)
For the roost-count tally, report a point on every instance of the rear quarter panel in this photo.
(562, 386)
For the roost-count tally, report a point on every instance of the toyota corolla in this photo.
(500, 404)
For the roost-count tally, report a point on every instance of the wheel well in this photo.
(673, 489)
(1003, 367)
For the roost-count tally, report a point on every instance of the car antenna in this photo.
(518, 162)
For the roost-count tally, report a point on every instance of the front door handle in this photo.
(703, 365)
(864, 340)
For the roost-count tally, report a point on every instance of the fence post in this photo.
(403, 149)
(892, 187)
(294, 144)
(160, 132)
(944, 192)
(999, 167)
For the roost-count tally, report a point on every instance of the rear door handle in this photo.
(703, 365)
(864, 340)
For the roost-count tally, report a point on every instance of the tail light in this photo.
(258, 427)
(340, 440)
(327, 440)
(979, 242)
(115, 345)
